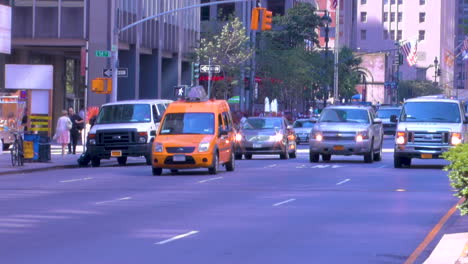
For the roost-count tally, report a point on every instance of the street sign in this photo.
(210, 68)
(121, 72)
(391, 85)
(180, 91)
(103, 53)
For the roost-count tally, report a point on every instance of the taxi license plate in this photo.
(257, 145)
(338, 147)
(179, 158)
(116, 153)
(426, 156)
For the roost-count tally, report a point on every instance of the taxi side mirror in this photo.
(153, 133)
(393, 119)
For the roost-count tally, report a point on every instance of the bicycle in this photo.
(17, 154)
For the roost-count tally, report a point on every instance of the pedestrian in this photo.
(62, 132)
(243, 119)
(77, 126)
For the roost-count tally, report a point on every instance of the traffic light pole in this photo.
(116, 32)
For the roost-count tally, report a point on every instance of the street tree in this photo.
(410, 89)
(348, 73)
(229, 48)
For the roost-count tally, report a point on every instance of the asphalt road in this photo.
(267, 211)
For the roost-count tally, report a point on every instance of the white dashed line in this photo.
(176, 237)
(75, 180)
(110, 201)
(212, 179)
(345, 181)
(271, 166)
(381, 167)
(287, 201)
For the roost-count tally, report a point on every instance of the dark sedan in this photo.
(265, 135)
(384, 113)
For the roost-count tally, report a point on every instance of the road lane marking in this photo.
(271, 166)
(302, 151)
(320, 166)
(381, 167)
(283, 202)
(428, 239)
(211, 179)
(120, 199)
(176, 237)
(301, 167)
(75, 180)
(388, 150)
(345, 181)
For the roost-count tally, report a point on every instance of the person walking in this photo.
(77, 126)
(62, 132)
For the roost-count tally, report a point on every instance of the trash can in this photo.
(44, 149)
(31, 146)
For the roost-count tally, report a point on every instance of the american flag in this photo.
(465, 44)
(410, 49)
(334, 4)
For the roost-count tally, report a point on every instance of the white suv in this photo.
(428, 127)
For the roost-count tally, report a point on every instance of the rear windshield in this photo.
(124, 113)
(188, 123)
(303, 124)
(387, 113)
(344, 116)
(262, 123)
(442, 112)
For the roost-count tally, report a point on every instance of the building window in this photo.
(385, 2)
(422, 2)
(392, 2)
(422, 34)
(400, 16)
(399, 35)
(363, 2)
(205, 11)
(422, 17)
(400, 2)
(385, 34)
(392, 17)
(392, 34)
(385, 16)
(225, 11)
(363, 16)
(363, 34)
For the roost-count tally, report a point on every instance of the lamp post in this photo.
(326, 20)
(436, 69)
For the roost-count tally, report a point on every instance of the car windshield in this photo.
(303, 124)
(188, 123)
(443, 112)
(124, 113)
(387, 113)
(344, 116)
(262, 123)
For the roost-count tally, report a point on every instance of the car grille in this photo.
(335, 135)
(188, 160)
(116, 136)
(422, 137)
(180, 149)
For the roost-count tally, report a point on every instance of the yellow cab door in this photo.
(223, 141)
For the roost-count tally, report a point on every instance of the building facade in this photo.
(57, 32)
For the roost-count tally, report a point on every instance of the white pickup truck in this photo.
(125, 128)
(427, 127)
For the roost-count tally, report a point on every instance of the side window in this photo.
(161, 109)
(155, 114)
(220, 121)
(226, 120)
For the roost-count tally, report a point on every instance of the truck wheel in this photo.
(314, 157)
(292, 155)
(214, 167)
(238, 156)
(231, 164)
(248, 156)
(378, 154)
(6, 147)
(407, 162)
(397, 162)
(122, 160)
(326, 157)
(95, 162)
(369, 156)
(157, 171)
(148, 160)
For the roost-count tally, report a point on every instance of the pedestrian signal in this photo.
(101, 85)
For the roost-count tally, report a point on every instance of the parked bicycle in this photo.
(17, 154)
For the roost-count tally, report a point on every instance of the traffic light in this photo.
(195, 70)
(254, 19)
(267, 19)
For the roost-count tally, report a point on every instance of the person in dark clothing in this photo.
(77, 126)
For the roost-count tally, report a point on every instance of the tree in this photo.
(230, 49)
(458, 173)
(348, 73)
(410, 89)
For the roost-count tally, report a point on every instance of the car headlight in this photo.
(400, 138)
(158, 147)
(317, 136)
(361, 135)
(92, 139)
(142, 136)
(238, 137)
(278, 137)
(456, 139)
(204, 146)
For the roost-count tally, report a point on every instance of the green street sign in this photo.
(103, 53)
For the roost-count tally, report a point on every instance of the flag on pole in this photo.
(409, 49)
(449, 58)
(465, 44)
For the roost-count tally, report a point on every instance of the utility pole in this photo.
(336, 96)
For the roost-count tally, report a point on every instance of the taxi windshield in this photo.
(188, 123)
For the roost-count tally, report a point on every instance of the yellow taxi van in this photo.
(195, 132)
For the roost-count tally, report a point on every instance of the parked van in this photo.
(125, 128)
(195, 133)
(427, 127)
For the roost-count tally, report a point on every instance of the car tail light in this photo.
(401, 138)
(291, 137)
(456, 139)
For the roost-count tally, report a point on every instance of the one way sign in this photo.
(210, 68)
(121, 72)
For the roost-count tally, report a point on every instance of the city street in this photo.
(267, 211)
